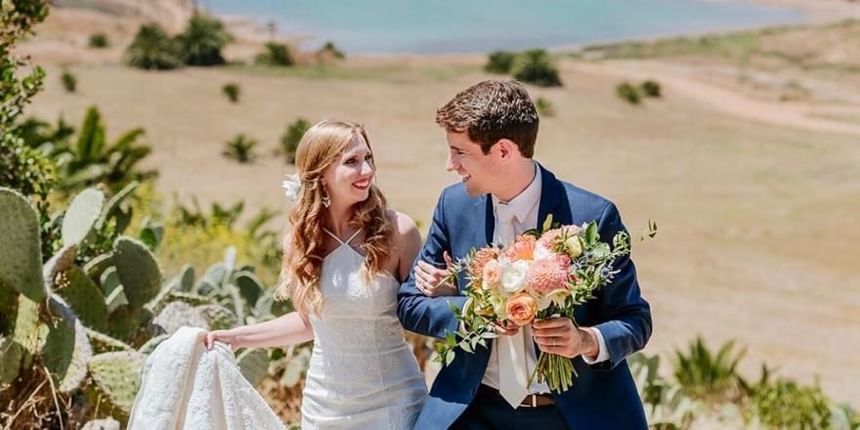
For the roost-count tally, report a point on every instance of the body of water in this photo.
(440, 26)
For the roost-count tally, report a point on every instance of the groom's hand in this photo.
(560, 336)
(429, 279)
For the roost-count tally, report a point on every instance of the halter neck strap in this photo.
(342, 242)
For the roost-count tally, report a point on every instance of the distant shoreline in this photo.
(812, 12)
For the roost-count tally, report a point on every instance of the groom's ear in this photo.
(507, 148)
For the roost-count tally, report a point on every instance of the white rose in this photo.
(514, 276)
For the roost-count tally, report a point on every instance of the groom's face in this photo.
(477, 170)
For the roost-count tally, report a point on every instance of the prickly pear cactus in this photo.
(151, 344)
(11, 354)
(21, 254)
(67, 348)
(138, 271)
(178, 314)
(81, 216)
(83, 296)
(254, 364)
(59, 263)
(113, 205)
(117, 377)
(112, 289)
(104, 343)
(30, 332)
(249, 287)
(131, 325)
(218, 317)
(98, 264)
(103, 424)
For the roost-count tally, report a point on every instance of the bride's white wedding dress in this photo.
(362, 373)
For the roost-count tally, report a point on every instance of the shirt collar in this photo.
(523, 203)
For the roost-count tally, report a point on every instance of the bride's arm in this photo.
(288, 329)
(408, 244)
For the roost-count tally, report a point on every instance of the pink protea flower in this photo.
(523, 248)
(548, 275)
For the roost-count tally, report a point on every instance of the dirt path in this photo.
(679, 81)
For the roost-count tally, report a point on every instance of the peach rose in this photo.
(492, 274)
(521, 309)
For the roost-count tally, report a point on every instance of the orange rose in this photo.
(521, 309)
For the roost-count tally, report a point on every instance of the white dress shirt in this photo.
(525, 208)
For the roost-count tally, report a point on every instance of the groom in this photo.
(491, 132)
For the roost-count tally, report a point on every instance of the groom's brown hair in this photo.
(493, 110)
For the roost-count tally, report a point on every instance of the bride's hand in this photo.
(431, 280)
(225, 336)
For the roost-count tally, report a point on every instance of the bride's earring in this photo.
(326, 201)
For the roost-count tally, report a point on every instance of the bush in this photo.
(330, 50)
(703, 374)
(629, 93)
(151, 49)
(536, 67)
(232, 91)
(651, 89)
(786, 405)
(291, 138)
(275, 54)
(202, 41)
(500, 62)
(98, 40)
(545, 107)
(241, 149)
(70, 81)
(25, 169)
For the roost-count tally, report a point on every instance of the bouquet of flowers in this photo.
(540, 275)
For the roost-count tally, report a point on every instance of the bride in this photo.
(343, 262)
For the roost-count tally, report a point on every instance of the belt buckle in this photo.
(534, 400)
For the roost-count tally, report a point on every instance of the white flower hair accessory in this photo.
(292, 186)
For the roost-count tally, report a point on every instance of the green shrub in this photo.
(705, 375)
(545, 107)
(628, 93)
(500, 62)
(330, 49)
(98, 40)
(536, 67)
(785, 404)
(151, 49)
(241, 149)
(25, 169)
(93, 160)
(291, 138)
(41, 135)
(651, 89)
(275, 54)
(232, 91)
(70, 81)
(202, 41)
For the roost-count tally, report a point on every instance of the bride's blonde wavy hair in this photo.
(322, 146)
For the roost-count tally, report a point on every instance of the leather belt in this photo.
(531, 401)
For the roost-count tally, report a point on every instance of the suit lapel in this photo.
(485, 221)
(552, 199)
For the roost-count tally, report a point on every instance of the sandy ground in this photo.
(756, 199)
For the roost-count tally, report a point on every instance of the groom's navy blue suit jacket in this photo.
(604, 395)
